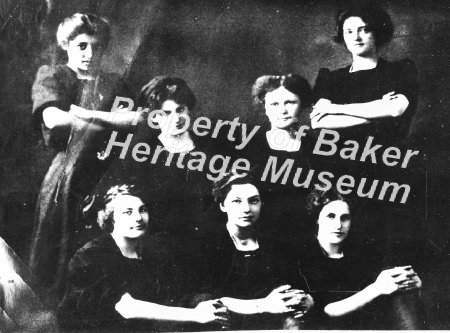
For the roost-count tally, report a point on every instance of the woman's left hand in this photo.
(307, 302)
(322, 108)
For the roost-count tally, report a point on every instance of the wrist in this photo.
(262, 305)
(373, 291)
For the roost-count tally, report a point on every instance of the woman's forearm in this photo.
(111, 120)
(131, 308)
(352, 303)
(337, 121)
(386, 107)
(244, 306)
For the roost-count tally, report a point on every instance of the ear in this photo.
(64, 45)
(222, 207)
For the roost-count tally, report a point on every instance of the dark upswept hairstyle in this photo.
(377, 19)
(105, 218)
(295, 83)
(163, 88)
(319, 198)
(88, 24)
(222, 187)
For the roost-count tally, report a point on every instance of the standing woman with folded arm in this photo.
(372, 96)
(71, 104)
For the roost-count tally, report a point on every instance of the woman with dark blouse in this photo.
(372, 97)
(179, 196)
(344, 276)
(71, 104)
(115, 284)
(253, 274)
(282, 98)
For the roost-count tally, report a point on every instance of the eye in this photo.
(82, 46)
(347, 32)
(182, 109)
(127, 212)
(345, 217)
(167, 113)
(238, 201)
(291, 102)
(331, 216)
(143, 209)
(255, 201)
(274, 103)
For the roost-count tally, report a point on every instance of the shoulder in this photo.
(99, 251)
(401, 67)
(59, 72)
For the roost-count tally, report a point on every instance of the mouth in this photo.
(139, 227)
(247, 218)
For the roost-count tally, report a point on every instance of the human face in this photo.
(334, 223)
(359, 41)
(282, 108)
(242, 205)
(84, 53)
(130, 217)
(174, 118)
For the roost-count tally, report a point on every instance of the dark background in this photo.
(220, 48)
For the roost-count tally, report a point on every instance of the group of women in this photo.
(166, 258)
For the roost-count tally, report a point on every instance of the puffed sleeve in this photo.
(93, 291)
(323, 86)
(49, 90)
(54, 86)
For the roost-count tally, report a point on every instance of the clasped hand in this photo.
(212, 311)
(284, 299)
(399, 279)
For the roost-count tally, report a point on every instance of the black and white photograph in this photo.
(224, 165)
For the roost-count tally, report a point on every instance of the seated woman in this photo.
(345, 279)
(252, 273)
(114, 285)
(282, 98)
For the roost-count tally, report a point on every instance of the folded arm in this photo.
(348, 115)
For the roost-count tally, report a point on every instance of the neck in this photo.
(363, 63)
(177, 143)
(84, 75)
(332, 250)
(239, 232)
(283, 139)
(130, 248)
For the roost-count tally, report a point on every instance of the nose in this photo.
(137, 216)
(245, 206)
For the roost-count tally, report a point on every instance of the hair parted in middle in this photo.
(294, 83)
(222, 187)
(319, 198)
(105, 217)
(377, 19)
(163, 88)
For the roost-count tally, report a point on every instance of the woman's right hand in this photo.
(397, 279)
(282, 300)
(212, 311)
